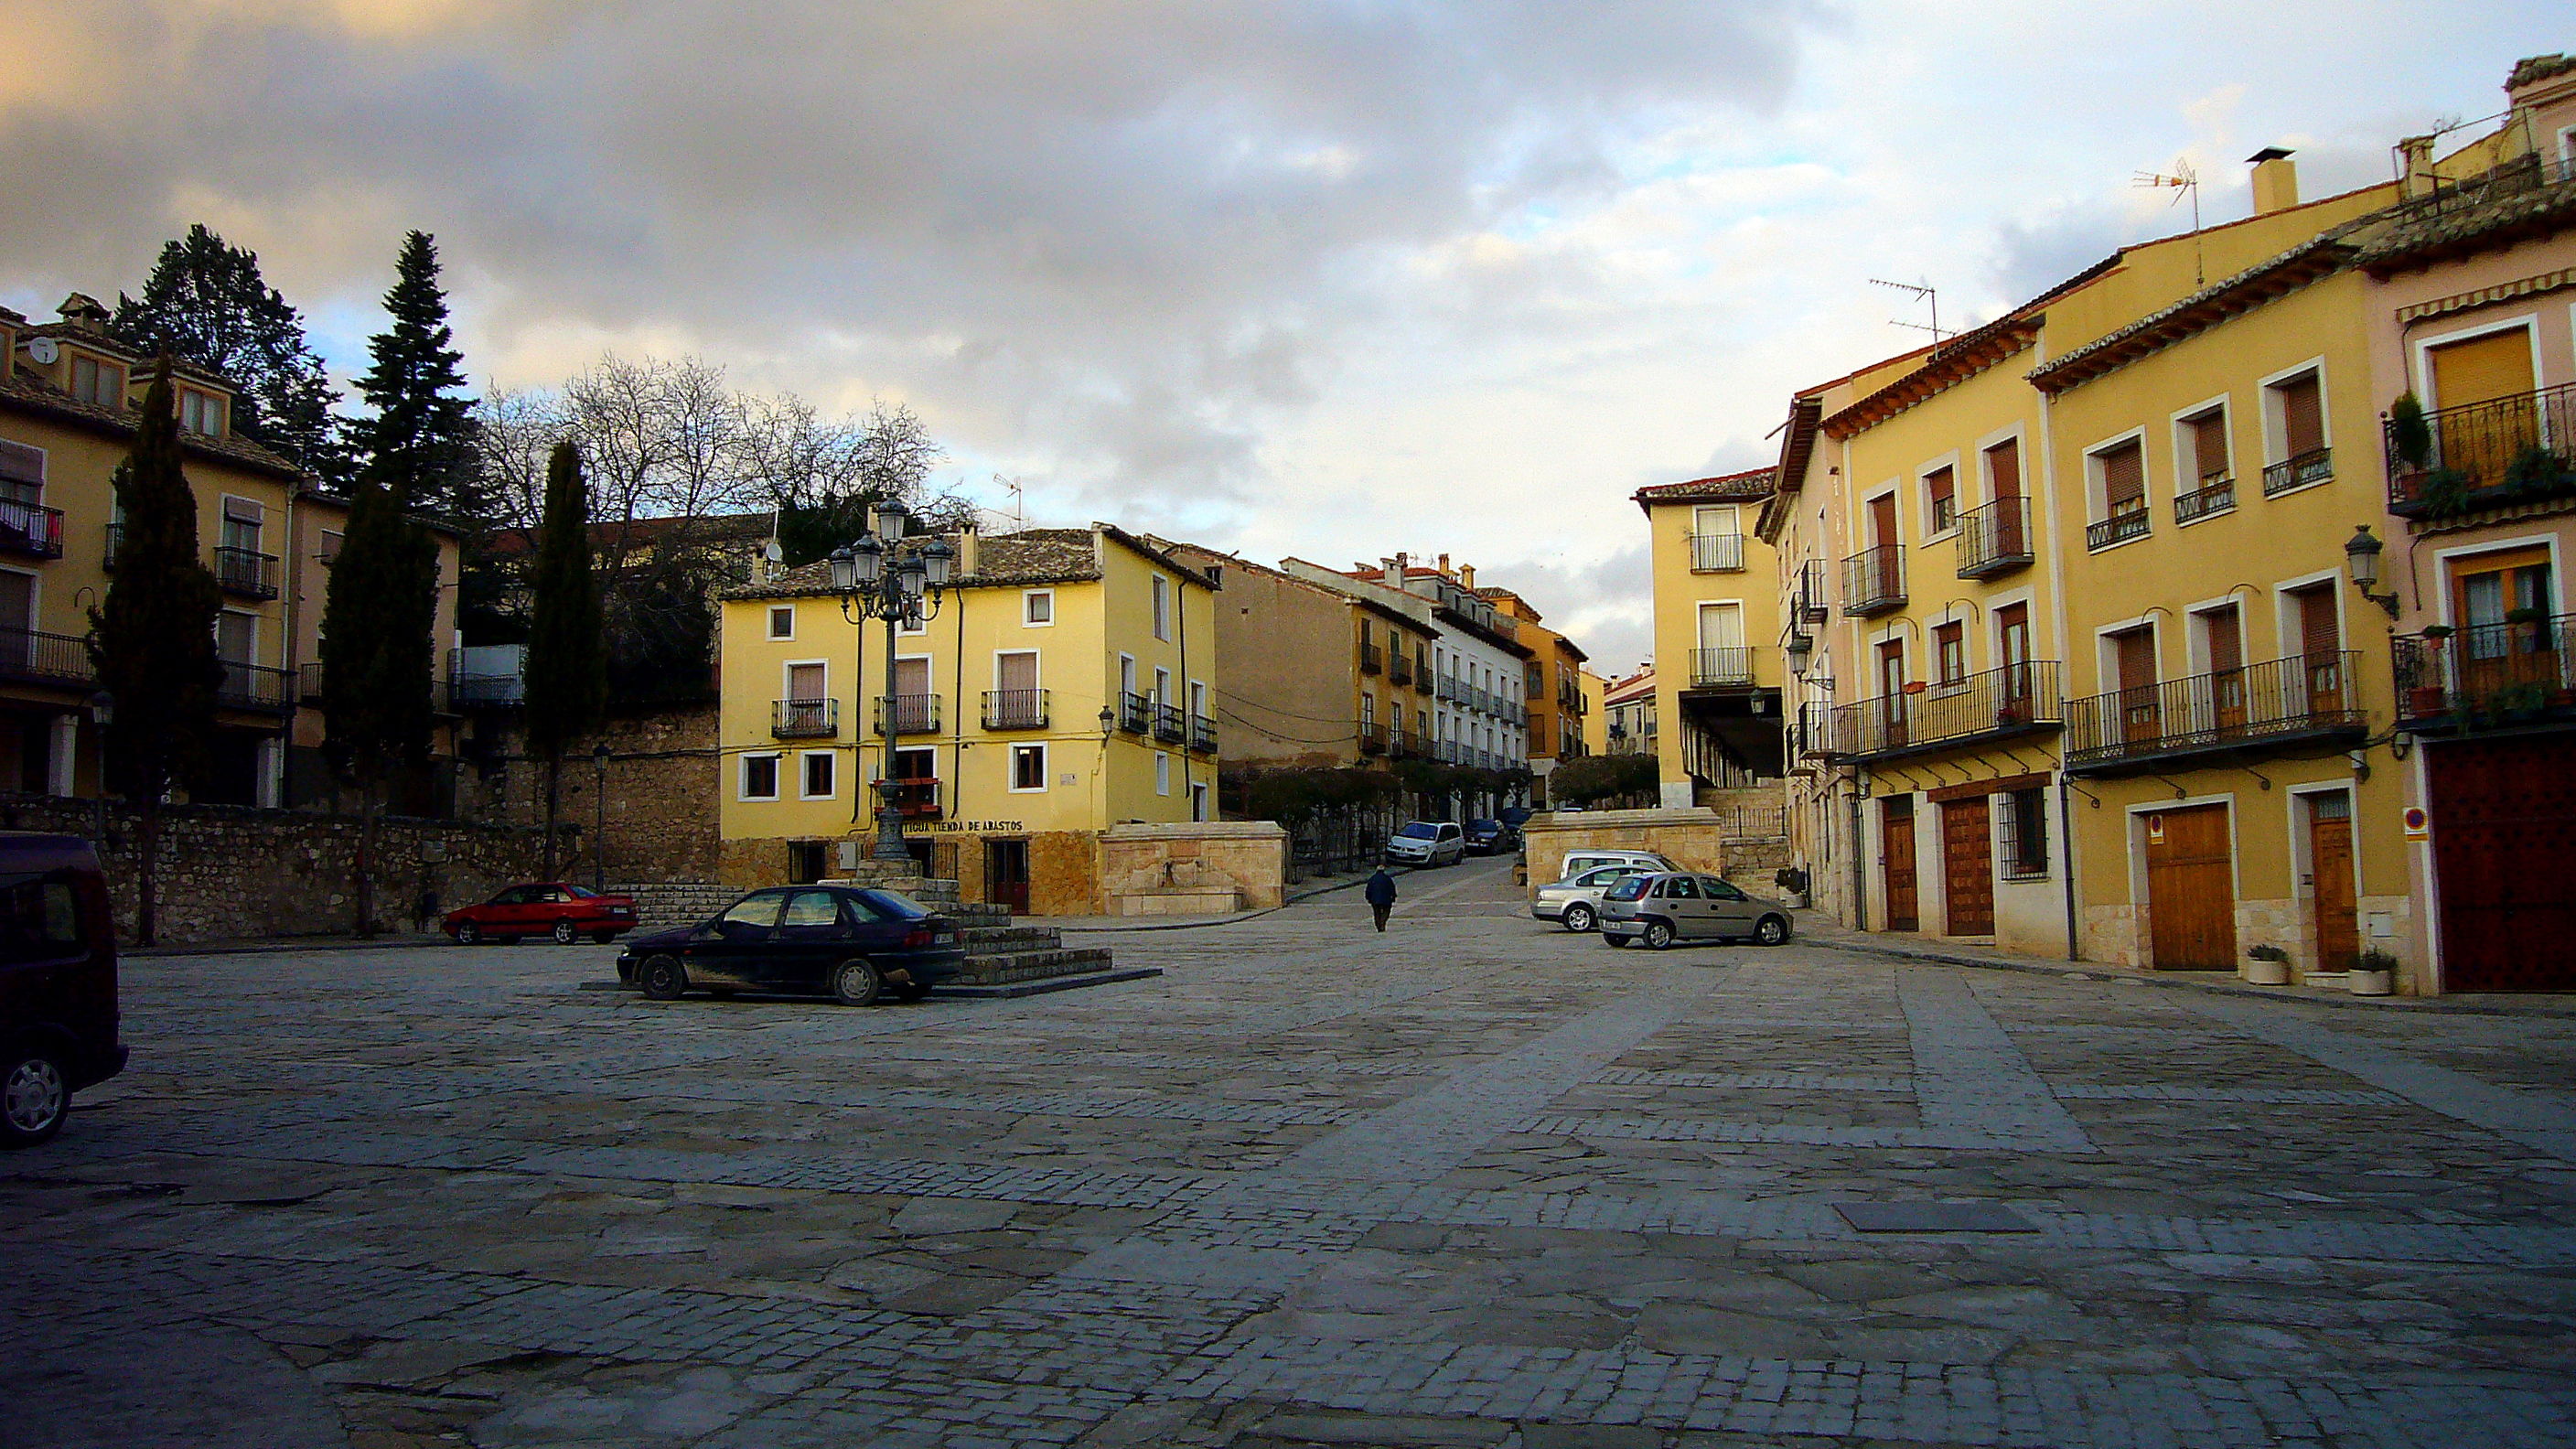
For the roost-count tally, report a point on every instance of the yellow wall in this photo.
(1679, 592)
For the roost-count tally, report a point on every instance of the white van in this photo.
(1579, 861)
(1427, 842)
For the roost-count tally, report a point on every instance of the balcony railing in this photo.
(31, 529)
(2488, 674)
(1203, 734)
(1015, 709)
(2518, 449)
(2302, 697)
(1135, 713)
(1994, 539)
(115, 540)
(308, 688)
(1372, 737)
(1167, 723)
(1725, 668)
(256, 687)
(1399, 667)
(1809, 602)
(915, 797)
(914, 714)
(42, 658)
(804, 719)
(246, 572)
(1372, 659)
(2127, 523)
(2216, 494)
(2316, 465)
(2016, 699)
(1874, 581)
(1717, 553)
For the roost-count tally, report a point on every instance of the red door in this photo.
(1897, 840)
(2504, 854)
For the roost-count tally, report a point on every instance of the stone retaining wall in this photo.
(231, 872)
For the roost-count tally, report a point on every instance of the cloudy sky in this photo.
(1332, 278)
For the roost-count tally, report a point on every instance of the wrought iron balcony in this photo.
(914, 714)
(1994, 539)
(2316, 465)
(1998, 703)
(246, 572)
(915, 797)
(1167, 723)
(30, 529)
(1372, 737)
(1135, 713)
(1399, 667)
(1015, 709)
(804, 719)
(2216, 494)
(2487, 674)
(2127, 523)
(115, 540)
(1725, 668)
(1717, 553)
(1372, 659)
(1809, 602)
(42, 658)
(1874, 581)
(308, 687)
(2518, 449)
(256, 687)
(2306, 698)
(1203, 734)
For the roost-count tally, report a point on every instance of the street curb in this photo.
(2092, 972)
(1003, 992)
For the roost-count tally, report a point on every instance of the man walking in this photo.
(1380, 891)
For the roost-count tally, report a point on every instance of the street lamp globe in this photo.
(867, 558)
(890, 517)
(2362, 551)
(939, 561)
(845, 569)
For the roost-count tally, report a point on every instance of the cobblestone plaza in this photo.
(1472, 1182)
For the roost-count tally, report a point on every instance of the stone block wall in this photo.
(1192, 868)
(1694, 837)
(663, 774)
(231, 872)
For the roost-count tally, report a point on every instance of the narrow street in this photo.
(1476, 1181)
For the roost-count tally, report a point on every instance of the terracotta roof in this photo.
(2538, 68)
(1806, 415)
(709, 527)
(1033, 556)
(14, 319)
(2263, 282)
(2519, 201)
(29, 393)
(1230, 562)
(1744, 487)
(1950, 364)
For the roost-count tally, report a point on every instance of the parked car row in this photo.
(1640, 895)
(543, 908)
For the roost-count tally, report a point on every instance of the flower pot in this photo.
(2370, 983)
(2267, 973)
(2425, 699)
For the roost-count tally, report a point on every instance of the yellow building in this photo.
(1720, 666)
(1630, 714)
(1065, 683)
(1591, 689)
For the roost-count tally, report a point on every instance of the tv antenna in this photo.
(2184, 181)
(1019, 510)
(1929, 295)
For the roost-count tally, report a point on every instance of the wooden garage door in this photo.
(2191, 889)
(2504, 849)
(1968, 867)
(1897, 842)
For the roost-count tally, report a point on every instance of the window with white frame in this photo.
(819, 777)
(1028, 768)
(1940, 500)
(101, 384)
(1162, 607)
(1037, 608)
(760, 777)
(201, 412)
(2294, 432)
(1162, 774)
(782, 621)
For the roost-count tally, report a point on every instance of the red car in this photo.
(565, 912)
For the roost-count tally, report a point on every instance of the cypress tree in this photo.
(153, 638)
(566, 668)
(420, 431)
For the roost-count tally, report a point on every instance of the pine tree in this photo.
(206, 302)
(420, 430)
(566, 668)
(153, 639)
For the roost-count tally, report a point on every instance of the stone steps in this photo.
(983, 939)
(1002, 967)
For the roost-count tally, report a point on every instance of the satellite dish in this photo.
(773, 552)
(43, 351)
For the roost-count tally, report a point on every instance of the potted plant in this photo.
(2409, 433)
(2434, 634)
(2013, 714)
(2267, 965)
(2373, 973)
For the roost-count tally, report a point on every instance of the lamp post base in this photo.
(890, 846)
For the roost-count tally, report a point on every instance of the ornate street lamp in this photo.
(875, 581)
(2361, 551)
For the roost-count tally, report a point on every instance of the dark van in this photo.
(57, 982)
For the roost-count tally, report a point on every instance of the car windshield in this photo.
(579, 894)
(1419, 830)
(1629, 888)
(1482, 825)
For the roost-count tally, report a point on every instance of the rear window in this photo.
(895, 905)
(1419, 831)
(1629, 888)
(39, 919)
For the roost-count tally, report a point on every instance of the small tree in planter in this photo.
(2373, 973)
(2267, 965)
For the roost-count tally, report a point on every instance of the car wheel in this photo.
(567, 934)
(35, 1096)
(1659, 934)
(468, 933)
(1578, 918)
(603, 937)
(663, 978)
(1772, 931)
(856, 983)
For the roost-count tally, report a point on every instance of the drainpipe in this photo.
(2066, 848)
(1860, 861)
(1181, 604)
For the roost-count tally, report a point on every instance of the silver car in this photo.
(1427, 843)
(1662, 908)
(1575, 902)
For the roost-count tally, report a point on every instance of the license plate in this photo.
(943, 938)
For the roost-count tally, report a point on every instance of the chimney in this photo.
(84, 312)
(2276, 181)
(2415, 156)
(1467, 576)
(970, 549)
(1395, 572)
(1444, 563)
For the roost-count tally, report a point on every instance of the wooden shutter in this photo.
(2318, 631)
(17, 602)
(2137, 658)
(1944, 492)
(2124, 478)
(2303, 421)
(2226, 641)
(1019, 671)
(2482, 369)
(911, 677)
(1950, 652)
(2012, 630)
(2003, 468)
(2208, 447)
(1882, 520)
(805, 682)
(1891, 668)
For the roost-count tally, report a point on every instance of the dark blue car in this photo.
(852, 943)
